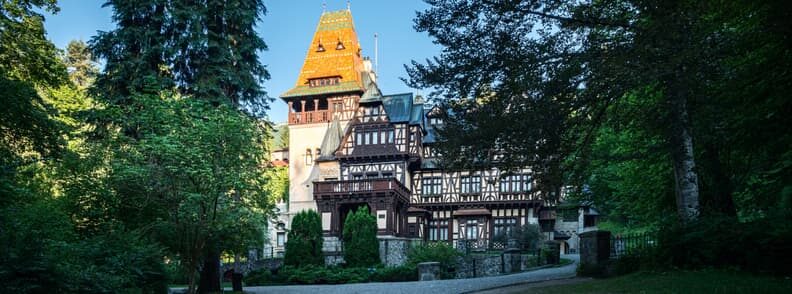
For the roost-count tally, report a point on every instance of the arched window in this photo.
(308, 157)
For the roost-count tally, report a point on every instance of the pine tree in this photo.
(217, 52)
(80, 63)
(137, 54)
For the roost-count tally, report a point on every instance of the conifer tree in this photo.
(360, 239)
(304, 242)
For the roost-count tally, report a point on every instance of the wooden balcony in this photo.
(309, 117)
(324, 189)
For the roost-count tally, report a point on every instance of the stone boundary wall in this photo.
(247, 267)
(393, 250)
(473, 266)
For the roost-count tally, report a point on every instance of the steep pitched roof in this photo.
(331, 141)
(346, 63)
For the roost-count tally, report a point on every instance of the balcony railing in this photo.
(360, 186)
(309, 117)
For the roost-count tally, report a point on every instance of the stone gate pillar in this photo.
(594, 248)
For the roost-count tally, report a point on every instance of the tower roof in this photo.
(334, 52)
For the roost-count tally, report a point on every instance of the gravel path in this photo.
(434, 287)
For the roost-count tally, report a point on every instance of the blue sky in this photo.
(287, 28)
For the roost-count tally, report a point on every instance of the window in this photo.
(320, 48)
(321, 82)
(515, 183)
(357, 176)
(359, 138)
(308, 157)
(504, 226)
(435, 121)
(372, 175)
(281, 239)
(471, 229)
(470, 185)
(390, 137)
(340, 45)
(431, 186)
(438, 230)
(387, 174)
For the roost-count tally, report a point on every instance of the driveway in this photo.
(433, 287)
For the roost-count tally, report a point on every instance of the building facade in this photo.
(350, 145)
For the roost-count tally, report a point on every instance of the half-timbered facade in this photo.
(353, 146)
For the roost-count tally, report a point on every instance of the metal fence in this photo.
(623, 244)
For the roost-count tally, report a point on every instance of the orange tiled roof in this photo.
(334, 26)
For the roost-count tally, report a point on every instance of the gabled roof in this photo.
(331, 141)
(372, 93)
(346, 63)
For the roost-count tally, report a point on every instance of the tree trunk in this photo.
(236, 277)
(210, 273)
(685, 176)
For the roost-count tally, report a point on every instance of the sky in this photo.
(287, 28)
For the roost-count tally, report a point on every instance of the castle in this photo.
(352, 145)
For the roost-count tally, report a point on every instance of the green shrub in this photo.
(304, 242)
(763, 245)
(360, 239)
(528, 236)
(439, 252)
(310, 274)
(402, 273)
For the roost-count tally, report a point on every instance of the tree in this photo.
(201, 51)
(304, 241)
(80, 63)
(361, 248)
(283, 139)
(535, 80)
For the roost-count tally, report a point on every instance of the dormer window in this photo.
(320, 82)
(320, 48)
(340, 45)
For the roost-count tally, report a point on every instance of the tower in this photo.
(324, 98)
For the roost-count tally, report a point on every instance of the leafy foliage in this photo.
(527, 236)
(331, 275)
(361, 248)
(443, 253)
(619, 98)
(304, 242)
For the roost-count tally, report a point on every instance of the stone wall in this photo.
(393, 250)
(472, 266)
(247, 267)
(332, 248)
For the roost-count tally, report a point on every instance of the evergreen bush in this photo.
(360, 239)
(304, 242)
(443, 253)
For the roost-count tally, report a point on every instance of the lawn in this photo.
(709, 281)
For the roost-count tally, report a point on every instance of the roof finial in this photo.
(324, 6)
(349, 5)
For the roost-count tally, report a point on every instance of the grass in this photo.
(707, 281)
